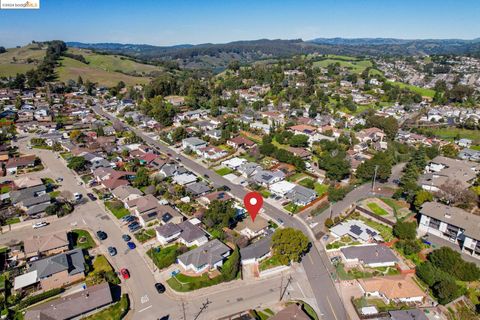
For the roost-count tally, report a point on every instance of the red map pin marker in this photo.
(253, 201)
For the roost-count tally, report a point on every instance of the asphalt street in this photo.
(316, 263)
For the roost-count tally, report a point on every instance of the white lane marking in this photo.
(299, 287)
(145, 309)
(330, 304)
(144, 299)
(84, 222)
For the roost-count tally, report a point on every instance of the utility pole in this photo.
(204, 306)
(374, 178)
(282, 290)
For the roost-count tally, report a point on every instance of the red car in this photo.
(125, 273)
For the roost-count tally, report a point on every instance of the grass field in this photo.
(377, 209)
(71, 69)
(117, 209)
(20, 60)
(224, 171)
(78, 235)
(114, 63)
(320, 188)
(422, 91)
(357, 66)
(453, 133)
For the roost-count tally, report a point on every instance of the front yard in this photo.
(269, 263)
(80, 238)
(117, 209)
(115, 312)
(184, 283)
(224, 171)
(102, 271)
(342, 242)
(144, 235)
(164, 257)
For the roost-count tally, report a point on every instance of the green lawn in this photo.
(269, 263)
(55, 194)
(320, 188)
(357, 66)
(293, 208)
(392, 203)
(117, 209)
(145, 234)
(81, 239)
(297, 176)
(12, 220)
(265, 193)
(342, 242)
(164, 257)
(424, 92)
(377, 209)
(452, 133)
(115, 312)
(385, 232)
(102, 271)
(224, 171)
(184, 283)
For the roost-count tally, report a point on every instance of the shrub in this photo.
(39, 297)
(405, 230)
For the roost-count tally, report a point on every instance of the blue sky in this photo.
(177, 21)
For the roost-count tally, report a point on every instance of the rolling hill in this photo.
(20, 60)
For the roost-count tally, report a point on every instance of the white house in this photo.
(206, 257)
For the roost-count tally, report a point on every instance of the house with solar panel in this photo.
(357, 230)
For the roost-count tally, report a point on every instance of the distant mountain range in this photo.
(211, 55)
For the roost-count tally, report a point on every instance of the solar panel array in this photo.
(356, 229)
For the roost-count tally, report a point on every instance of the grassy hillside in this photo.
(20, 60)
(424, 92)
(115, 63)
(71, 69)
(357, 66)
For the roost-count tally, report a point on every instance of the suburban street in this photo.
(146, 303)
(316, 263)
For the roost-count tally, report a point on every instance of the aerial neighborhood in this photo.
(127, 199)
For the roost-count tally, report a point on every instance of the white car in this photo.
(40, 225)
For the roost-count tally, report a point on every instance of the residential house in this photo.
(412, 314)
(292, 311)
(301, 196)
(357, 230)
(197, 189)
(184, 178)
(185, 232)
(45, 245)
(194, 144)
(234, 163)
(257, 251)
(27, 182)
(373, 256)
(442, 169)
(126, 193)
(266, 178)
(469, 154)
(247, 169)
(60, 270)
(399, 288)
(33, 200)
(16, 163)
(252, 228)
(465, 143)
(146, 208)
(281, 188)
(206, 257)
(240, 142)
(303, 129)
(217, 195)
(214, 134)
(212, 153)
(73, 305)
(453, 224)
(371, 135)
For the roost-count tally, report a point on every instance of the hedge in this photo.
(39, 297)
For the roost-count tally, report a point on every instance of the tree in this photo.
(234, 65)
(335, 164)
(77, 163)
(450, 261)
(329, 222)
(178, 134)
(389, 125)
(427, 272)
(142, 178)
(220, 214)
(405, 230)
(446, 290)
(421, 197)
(298, 140)
(76, 135)
(336, 194)
(382, 161)
(289, 245)
(460, 197)
(449, 150)
(231, 267)
(2, 50)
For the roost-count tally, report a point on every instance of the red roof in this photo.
(149, 157)
(239, 140)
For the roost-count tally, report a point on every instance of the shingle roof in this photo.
(190, 232)
(413, 314)
(370, 254)
(73, 305)
(209, 253)
(42, 243)
(257, 249)
(73, 261)
(168, 230)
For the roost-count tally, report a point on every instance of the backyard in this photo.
(342, 242)
(377, 209)
(102, 270)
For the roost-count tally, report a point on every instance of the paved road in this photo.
(316, 263)
(146, 302)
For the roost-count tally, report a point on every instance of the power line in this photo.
(204, 306)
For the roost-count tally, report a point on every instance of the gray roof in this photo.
(36, 200)
(413, 314)
(168, 230)
(209, 253)
(454, 216)
(301, 194)
(20, 195)
(265, 176)
(257, 249)
(198, 188)
(73, 305)
(370, 254)
(73, 261)
(190, 232)
(39, 208)
(194, 141)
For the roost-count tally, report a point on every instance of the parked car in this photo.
(125, 274)
(77, 196)
(126, 237)
(160, 287)
(112, 251)
(280, 221)
(134, 227)
(101, 235)
(128, 219)
(40, 225)
(59, 179)
(131, 245)
(206, 176)
(91, 196)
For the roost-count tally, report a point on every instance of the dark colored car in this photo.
(126, 237)
(131, 245)
(91, 196)
(134, 227)
(128, 219)
(160, 287)
(206, 176)
(112, 251)
(101, 235)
